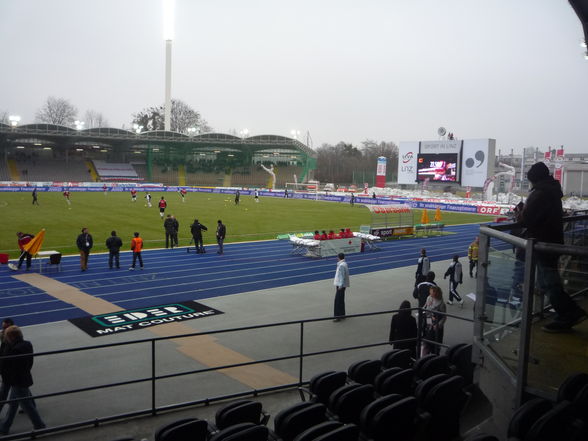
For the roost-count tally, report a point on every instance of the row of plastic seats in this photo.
(433, 410)
(564, 420)
(242, 420)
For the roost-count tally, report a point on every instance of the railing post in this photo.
(526, 322)
(153, 410)
(301, 357)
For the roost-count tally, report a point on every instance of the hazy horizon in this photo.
(346, 71)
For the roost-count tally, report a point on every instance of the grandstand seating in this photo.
(53, 170)
(4, 171)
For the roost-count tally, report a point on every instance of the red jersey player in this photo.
(66, 196)
(162, 204)
(133, 195)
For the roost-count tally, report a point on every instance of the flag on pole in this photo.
(34, 245)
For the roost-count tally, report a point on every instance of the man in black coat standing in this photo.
(542, 215)
(16, 373)
(169, 227)
(84, 243)
(221, 232)
(114, 243)
(196, 230)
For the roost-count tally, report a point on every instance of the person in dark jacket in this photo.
(5, 388)
(455, 274)
(196, 230)
(423, 265)
(170, 228)
(84, 243)
(542, 215)
(221, 232)
(175, 232)
(16, 373)
(113, 243)
(403, 326)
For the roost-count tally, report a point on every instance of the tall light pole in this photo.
(168, 36)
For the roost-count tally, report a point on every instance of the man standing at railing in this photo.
(542, 216)
(341, 282)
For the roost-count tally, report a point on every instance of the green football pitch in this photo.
(245, 222)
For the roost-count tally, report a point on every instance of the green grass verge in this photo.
(245, 222)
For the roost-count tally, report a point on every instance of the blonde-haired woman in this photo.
(435, 322)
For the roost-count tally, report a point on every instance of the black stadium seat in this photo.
(242, 432)
(349, 432)
(438, 364)
(398, 420)
(290, 422)
(347, 405)
(525, 416)
(242, 411)
(461, 360)
(571, 386)
(369, 412)
(397, 383)
(425, 386)
(196, 426)
(321, 386)
(444, 402)
(419, 363)
(320, 429)
(559, 423)
(397, 358)
(364, 372)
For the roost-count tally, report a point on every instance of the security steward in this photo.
(196, 229)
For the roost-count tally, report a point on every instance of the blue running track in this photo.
(174, 275)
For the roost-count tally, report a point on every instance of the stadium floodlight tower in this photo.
(168, 36)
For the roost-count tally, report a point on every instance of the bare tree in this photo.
(182, 118)
(3, 117)
(57, 111)
(94, 119)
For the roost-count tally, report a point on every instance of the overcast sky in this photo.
(343, 70)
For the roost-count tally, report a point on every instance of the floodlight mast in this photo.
(168, 36)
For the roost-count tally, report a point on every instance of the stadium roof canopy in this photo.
(124, 141)
(581, 9)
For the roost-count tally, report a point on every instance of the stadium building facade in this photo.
(215, 159)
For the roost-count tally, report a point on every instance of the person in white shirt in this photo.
(341, 282)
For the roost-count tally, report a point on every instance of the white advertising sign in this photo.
(477, 161)
(407, 162)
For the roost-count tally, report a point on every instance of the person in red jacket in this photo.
(162, 204)
(183, 194)
(133, 195)
(317, 235)
(348, 232)
(331, 235)
(324, 235)
(23, 239)
(136, 248)
(66, 196)
(341, 234)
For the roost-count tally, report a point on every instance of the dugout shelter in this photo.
(391, 220)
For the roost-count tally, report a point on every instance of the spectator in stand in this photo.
(473, 256)
(317, 235)
(403, 326)
(5, 388)
(16, 373)
(324, 235)
(84, 243)
(435, 322)
(423, 265)
(113, 243)
(542, 215)
(162, 205)
(331, 235)
(136, 248)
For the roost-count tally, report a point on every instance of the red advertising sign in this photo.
(488, 209)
